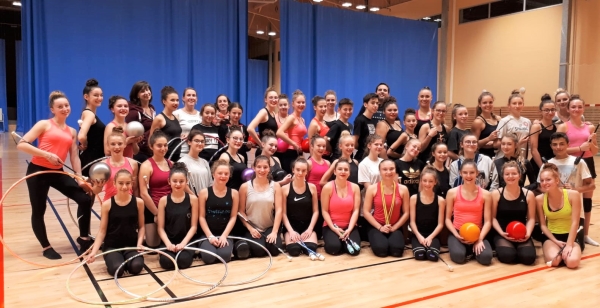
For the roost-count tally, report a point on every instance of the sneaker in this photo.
(84, 245)
(589, 240)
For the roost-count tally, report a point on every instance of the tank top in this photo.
(443, 184)
(121, 230)
(559, 222)
(353, 177)
(511, 210)
(297, 132)
(218, 211)
(330, 123)
(276, 171)
(316, 173)
(299, 206)
(178, 219)
(173, 130)
(401, 147)
(95, 136)
(271, 124)
(577, 136)
(340, 209)
(392, 136)
(211, 140)
(486, 132)
(442, 137)
(128, 151)
(396, 212)
(235, 181)
(55, 140)
(158, 182)
(544, 142)
(109, 188)
(260, 206)
(420, 122)
(323, 129)
(426, 215)
(468, 210)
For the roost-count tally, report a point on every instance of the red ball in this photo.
(282, 146)
(516, 230)
(250, 139)
(306, 146)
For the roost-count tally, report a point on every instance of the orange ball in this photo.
(470, 232)
(306, 146)
(516, 230)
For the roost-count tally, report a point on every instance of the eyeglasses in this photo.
(470, 142)
(198, 141)
(548, 110)
(439, 111)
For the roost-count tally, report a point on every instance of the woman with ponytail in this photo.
(235, 140)
(485, 124)
(269, 146)
(515, 123)
(434, 131)
(562, 98)
(91, 130)
(389, 128)
(188, 116)
(439, 155)
(487, 176)
(168, 122)
(408, 167)
(318, 126)
(512, 152)
(141, 110)
(396, 147)
(368, 169)
(540, 142)
(460, 115)
(199, 169)
(117, 161)
(292, 131)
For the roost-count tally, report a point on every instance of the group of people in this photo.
(380, 180)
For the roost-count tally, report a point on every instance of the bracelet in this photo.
(211, 237)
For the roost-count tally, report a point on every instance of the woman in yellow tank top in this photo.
(558, 212)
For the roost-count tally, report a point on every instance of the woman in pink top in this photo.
(117, 161)
(340, 201)
(120, 108)
(317, 167)
(469, 203)
(318, 126)
(55, 140)
(292, 131)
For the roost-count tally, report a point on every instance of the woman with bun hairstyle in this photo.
(562, 98)
(292, 131)
(425, 113)
(346, 145)
(168, 123)
(485, 124)
(390, 129)
(117, 161)
(199, 176)
(211, 133)
(265, 118)
(91, 130)
(330, 115)
(434, 131)
(235, 140)
(318, 126)
(222, 110)
(269, 146)
(141, 110)
(558, 211)
(439, 155)
(514, 123)
(540, 142)
(188, 116)
(460, 115)
(235, 112)
(119, 107)
(396, 148)
(408, 167)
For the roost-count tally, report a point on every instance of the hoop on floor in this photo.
(177, 269)
(239, 282)
(14, 254)
(126, 301)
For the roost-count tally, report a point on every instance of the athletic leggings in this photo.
(386, 244)
(114, 259)
(509, 252)
(335, 246)
(38, 191)
(258, 251)
(185, 259)
(224, 252)
(420, 251)
(459, 251)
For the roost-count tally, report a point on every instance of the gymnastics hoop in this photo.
(177, 147)
(232, 283)
(177, 269)
(74, 260)
(125, 301)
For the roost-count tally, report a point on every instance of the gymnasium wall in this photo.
(585, 68)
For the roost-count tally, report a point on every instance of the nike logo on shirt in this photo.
(296, 199)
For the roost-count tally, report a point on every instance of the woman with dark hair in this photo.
(460, 115)
(396, 147)
(168, 122)
(235, 141)
(141, 110)
(508, 146)
(91, 130)
(433, 132)
(292, 131)
(235, 112)
(540, 142)
(211, 133)
(389, 129)
(425, 113)
(269, 146)
(485, 124)
(118, 106)
(197, 166)
(265, 118)
(188, 116)
(222, 110)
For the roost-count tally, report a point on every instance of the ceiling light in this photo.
(438, 20)
(374, 9)
(347, 4)
(317, 0)
(360, 7)
(16, 3)
(260, 32)
(426, 18)
(272, 33)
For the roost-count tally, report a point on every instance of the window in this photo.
(505, 7)
(536, 4)
(502, 7)
(474, 13)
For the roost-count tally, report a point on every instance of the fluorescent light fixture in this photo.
(260, 32)
(317, 0)
(374, 9)
(360, 7)
(438, 20)
(347, 4)
(272, 33)
(426, 18)
(17, 3)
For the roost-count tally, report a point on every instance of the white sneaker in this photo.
(589, 240)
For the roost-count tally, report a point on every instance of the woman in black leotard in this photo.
(396, 148)
(390, 128)
(211, 133)
(330, 115)
(540, 142)
(436, 131)
(425, 113)
(91, 130)
(485, 124)
(235, 139)
(269, 145)
(265, 119)
(168, 123)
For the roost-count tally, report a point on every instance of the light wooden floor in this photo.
(342, 281)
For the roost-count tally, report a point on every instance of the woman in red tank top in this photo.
(117, 161)
(154, 184)
(469, 203)
(293, 131)
(340, 202)
(317, 125)
(120, 108)
(55, 140)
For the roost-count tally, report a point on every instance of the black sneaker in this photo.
(84, 245)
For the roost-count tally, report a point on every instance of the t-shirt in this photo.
(334, 135)
(187, 121)
(363, 127)
(520, 127)
(409, 174)
(488, 176)
(368, 171)
(454, 138)
(199, 169)
(569, 173)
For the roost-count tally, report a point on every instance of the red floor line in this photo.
(420, 299)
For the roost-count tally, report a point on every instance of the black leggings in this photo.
(335, 246)
(185, 259)
(458, 251)
(386, 244)
(38, 192)
(114, 259)
(420, 251)
(224, 252)
(509, 252)
(272, 248)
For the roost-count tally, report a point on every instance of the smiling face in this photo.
(123, 182)
(160, 146)
(461, 115)
(120, 108)
(221, 174)
(347, 145)
(190, 98)
(487, 103)
(95, 97)
(61, 108)
(428, 181)
(383, 92)
(145, 94)
(508, 146)
(511, 175)
(331, 100)
(469, 144)
(208, 114)
(516, 105)
(172, 102)
(272, 99)
(299, 103)
(223, 103)
(270, 146)
(387, 170)
(319, 146)
(342, 170)
(559, 147)
(261, 168)
(391, 112)
(440, 153)
(548, 111)
(562, 100)
(469, 172)
(235, 115)
(197, 143)
(412, 148)
(376, 146)
(116, 144)
(576, 108)
(236, 139)
(178, 181)
(283, 106)
(439, 111)
(424, 98)
(321, 107)
(345, 112)
(548, 180)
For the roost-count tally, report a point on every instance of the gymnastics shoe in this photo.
(589, 240)
(84, 245)
(51, 254)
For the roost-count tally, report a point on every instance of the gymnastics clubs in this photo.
(350, 244)
(262, 235)
(450, 268)
(312, 254)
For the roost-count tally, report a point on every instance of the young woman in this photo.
(235, 139)
(340, 204)
(177, 219)
(582, 141)
(386, 210)
(469, 203)
(396, 148)
(269, 146)
(188, 116)
(261, 204)
(562, 98)
(317, 125)
(368, 169)
(117, 161)
(558, 212)
(390, 128)
(265, 118)
(317, 165)
(91, 130)
(347, 148)
(425, 113)
(434, 131)
(222, 107)
(218, 212)
(331, 115)
(487, 176)
(409, 167)
(427, 212)
(300, 210)
(485, 124)
(511, 152)
(154, 184)
(121, 226)
(141, 110)
(283, 107)
(292, 131)
(211, 132)
(460, 115)
(513, 203)
(118, 106)
(55, 140)
(515, 123)
(439, 155)
(198, 167)
(235, 112)
(540, 142)
(168, 123)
